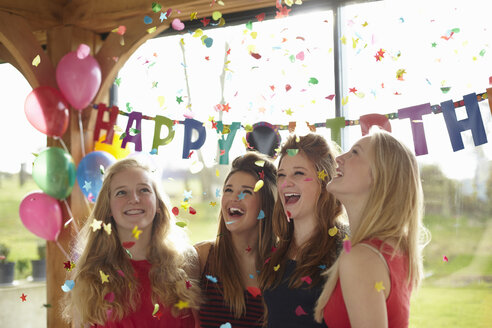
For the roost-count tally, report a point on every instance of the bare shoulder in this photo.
(203, 248)
(362, 257)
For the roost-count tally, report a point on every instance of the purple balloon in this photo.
(78, 75)
(41, 214)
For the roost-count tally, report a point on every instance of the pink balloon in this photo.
(79, 77)
(47, 111)
(41, 214)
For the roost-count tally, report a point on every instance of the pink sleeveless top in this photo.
(397, 303)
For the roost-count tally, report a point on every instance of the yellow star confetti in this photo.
(379, 286)
(333, 231)
(182, 305)
(96, 225)
(289, 112)
(36, 61)
(275, 268)
(322, 175)
(258, 185)
(104, 277)
(193, 15)
(213, 203)
(136, 232)
(185, 205)
(107, 228)
(343, 39)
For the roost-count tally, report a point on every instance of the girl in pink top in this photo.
(378, 182)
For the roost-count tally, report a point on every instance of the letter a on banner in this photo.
(136, 139)
(473, 122)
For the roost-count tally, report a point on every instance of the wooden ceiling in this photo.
(102, 16)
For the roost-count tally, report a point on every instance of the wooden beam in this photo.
(16, 36)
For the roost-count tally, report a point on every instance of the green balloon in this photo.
(54, 172)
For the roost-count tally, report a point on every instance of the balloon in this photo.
(47, 111)
(264, 138)
(54, 172)
(89, 173)
(78, 75)
(41, 214)
(114, 149)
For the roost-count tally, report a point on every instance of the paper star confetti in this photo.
(213, 204)
(241, 196)
(185, 205)
(68, 265)
(179, 99)
(136, 232)
(379, 286)
(96, 225)
(23, 297)
(187, 194)
(322, 175)
(104, 277)
(107, 228)
(188, 284)
(182, 305)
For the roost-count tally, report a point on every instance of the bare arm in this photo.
(360, 270)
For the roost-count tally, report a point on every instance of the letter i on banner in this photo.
(159, 122)
(108, 126)
(137, 138)
(225, 144)
(473, 122)
(190, 125)
(415, 113)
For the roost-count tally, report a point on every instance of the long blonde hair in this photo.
(394, 209)
(320, 249)
(102, 252)
(225, 262)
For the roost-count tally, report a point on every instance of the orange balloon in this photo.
(114, 149)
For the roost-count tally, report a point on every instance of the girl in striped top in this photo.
(230, 264)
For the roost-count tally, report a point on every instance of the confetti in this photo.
(213, 203)
(313, 80)
(275, 268)
(128, 244)
(156, 7)
(104, 277)
(23, 297)
(248, 249)
(216, 15)
(177, 24)
(192, 210)
(347, 246)
(261, 215)
(259, 184)
(307, 279)
(188, 284)
(182, 305)
(322, 266)
(147, 20)
(87, 185)
(187, 194)
(211, 278)
(68, 285)
(136, 232)
(322, 175)
(254, 291)
(226, 325)
(96, 225)
(36, 61)
(300, 311)
(260, 17)
(260, 163)
(292, 152)
(333, 231)
(379, 286)
(107, 228)
(109, 297)
(241, 196)
(445, 258)
(185, 205)
(156, 308)
(175, 210)
(181, 224)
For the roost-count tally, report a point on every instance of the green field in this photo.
(456, 293)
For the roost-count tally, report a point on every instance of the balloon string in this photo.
(81, 134)
(71, 217)
(62, 250)
(62, 143)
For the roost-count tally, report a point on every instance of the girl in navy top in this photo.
(309, 234)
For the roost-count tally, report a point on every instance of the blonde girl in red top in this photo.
(130, 272)
(378, 182)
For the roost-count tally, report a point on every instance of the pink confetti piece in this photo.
(83, 51)
(255, 291)
(307, 279)
(109, 297)
(177, 24)
(300, 311)
(121, 29)
(121, 273)
(445, 258)
(300, 55)
(347, 245)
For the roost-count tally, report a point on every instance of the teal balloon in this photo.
(54, 172)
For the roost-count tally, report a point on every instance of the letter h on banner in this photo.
(473, 122)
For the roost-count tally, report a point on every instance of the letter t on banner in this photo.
(190, 125)
(108, 126)
(415, 113)
(159, 122)
(336, 125)
(473, 122)
(137, 139)
(225, 144)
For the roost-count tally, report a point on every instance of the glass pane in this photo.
(402, 54)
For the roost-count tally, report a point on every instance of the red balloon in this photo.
(47, 111)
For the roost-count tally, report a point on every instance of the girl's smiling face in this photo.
(240, 204)
(132, 199)
(298, 185)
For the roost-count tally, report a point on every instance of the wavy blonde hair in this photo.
(225, 262)
(394, 209)
(320, 249)
(100, 251)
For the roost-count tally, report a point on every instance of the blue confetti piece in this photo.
(68, 285)
(208, 42)
(163, 16)
(322, 266)
(147, 20)
(211, 278)
(251, 276)
(217, 192)
(153, 151)
(241, 196)
(261, 215)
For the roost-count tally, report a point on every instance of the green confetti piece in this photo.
(117, 81)
(101, 169)
(313, 80)
(156, 308)
(134, 131)
(181, 224)
(292, 152)
(47, 305)
(482, 52)
(35, 155)
(445, 89)
(129, 254)
(292, 58)
(249, 25)
(128, 107)
(123, 136)
(156, 7)
(455, 30)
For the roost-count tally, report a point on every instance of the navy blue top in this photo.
(292, 307)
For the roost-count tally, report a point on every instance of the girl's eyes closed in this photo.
(247, 191)
(299, 173)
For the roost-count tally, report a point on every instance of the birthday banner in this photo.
(414, 114)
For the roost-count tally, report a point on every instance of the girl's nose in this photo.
(134, 198)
